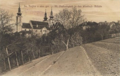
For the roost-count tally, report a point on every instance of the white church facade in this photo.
(37, 28)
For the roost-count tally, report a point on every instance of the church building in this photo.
(38, 28)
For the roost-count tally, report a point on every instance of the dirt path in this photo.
(25, 67)
(73, 62)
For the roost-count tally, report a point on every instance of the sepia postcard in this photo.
(59, 37)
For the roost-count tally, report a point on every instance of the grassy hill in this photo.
(105, 56)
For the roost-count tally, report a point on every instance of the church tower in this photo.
(19, 20)
(45, 17)
(51, 15)
(51, 20)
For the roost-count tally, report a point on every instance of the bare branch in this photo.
(70, 18)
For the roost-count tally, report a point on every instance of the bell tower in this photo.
(51, 20)
(45, 17)
(51, 14)
(19, 20)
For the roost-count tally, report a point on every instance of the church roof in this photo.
(26, 25)
(39, 25)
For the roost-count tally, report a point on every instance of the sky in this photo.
(93, 10)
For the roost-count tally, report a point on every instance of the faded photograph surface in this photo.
(60, 38)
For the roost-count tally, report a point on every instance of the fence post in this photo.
(22, 57)
(39, 52)
(16, 59)
(8, 59)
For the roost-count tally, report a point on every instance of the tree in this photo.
(115, 28)
(63, 37)
(58, 35)
(76, 39)
(70, 18)
(63, 17)
(5, 28)
(103, 31)
(30, 46)
(5, 22)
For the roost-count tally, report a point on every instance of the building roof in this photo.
(39, 25)
(26, 25)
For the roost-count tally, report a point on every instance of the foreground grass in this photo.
(112, 40)
(105, 56)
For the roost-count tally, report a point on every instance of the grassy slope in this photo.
(105, 56)
(112, 40)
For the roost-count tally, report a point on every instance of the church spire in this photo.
(45, 17)
(19, 10)
(51, 14)
(19, 20)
